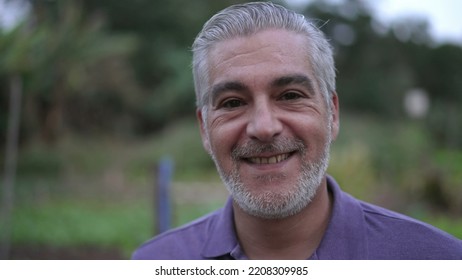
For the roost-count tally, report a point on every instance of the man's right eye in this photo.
(232, 103)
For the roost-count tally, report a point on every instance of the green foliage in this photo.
(188, 212)
(182, 143)
(397, 165)
(40, 161)
(446, 224)
(68, 223)
(83, 222)
(54, 52)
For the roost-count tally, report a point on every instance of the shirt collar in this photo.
(222, 239)
(345, 237)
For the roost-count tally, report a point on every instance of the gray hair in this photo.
(247, 19)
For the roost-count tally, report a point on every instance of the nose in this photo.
(264, 123)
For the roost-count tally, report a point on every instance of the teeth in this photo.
(269, 160)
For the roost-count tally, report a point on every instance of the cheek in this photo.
(221, 143)
(225, 134)
(314, 132)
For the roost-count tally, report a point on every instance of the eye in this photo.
(290, 95)
(232, 103)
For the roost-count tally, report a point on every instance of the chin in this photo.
(272, 202)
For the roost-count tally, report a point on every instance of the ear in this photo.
(335, 115)
(202, 126)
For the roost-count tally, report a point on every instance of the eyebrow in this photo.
(296, 79)
(223, 87)
(228, 86)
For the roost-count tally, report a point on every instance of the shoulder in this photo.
(393, 235)
(361, 230)
(185, 242)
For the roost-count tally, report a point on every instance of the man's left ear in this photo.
(335, 114)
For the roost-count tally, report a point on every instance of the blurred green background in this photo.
(106, 92)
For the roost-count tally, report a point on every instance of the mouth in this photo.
(270, 159)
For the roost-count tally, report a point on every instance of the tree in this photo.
(51, 54)
(73, 45)
(15, 49)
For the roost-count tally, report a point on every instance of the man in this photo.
(268, 112)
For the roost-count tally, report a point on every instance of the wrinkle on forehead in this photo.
(248, 50)
(249, 57)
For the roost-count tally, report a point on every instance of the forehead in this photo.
(264, 55)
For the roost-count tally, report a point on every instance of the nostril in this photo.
(264, 127)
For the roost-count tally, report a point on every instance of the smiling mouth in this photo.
(269, 160)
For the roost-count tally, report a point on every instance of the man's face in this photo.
(268, 127)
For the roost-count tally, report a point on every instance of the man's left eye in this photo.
(290, 95)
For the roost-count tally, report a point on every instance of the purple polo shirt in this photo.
(356, 230)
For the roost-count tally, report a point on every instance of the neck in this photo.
(294, 237)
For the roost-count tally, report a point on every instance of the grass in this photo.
(99, 192)
(72, 223)
(69, 223)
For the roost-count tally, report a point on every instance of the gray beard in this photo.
(272, 204)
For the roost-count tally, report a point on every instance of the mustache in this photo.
(278, 146)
